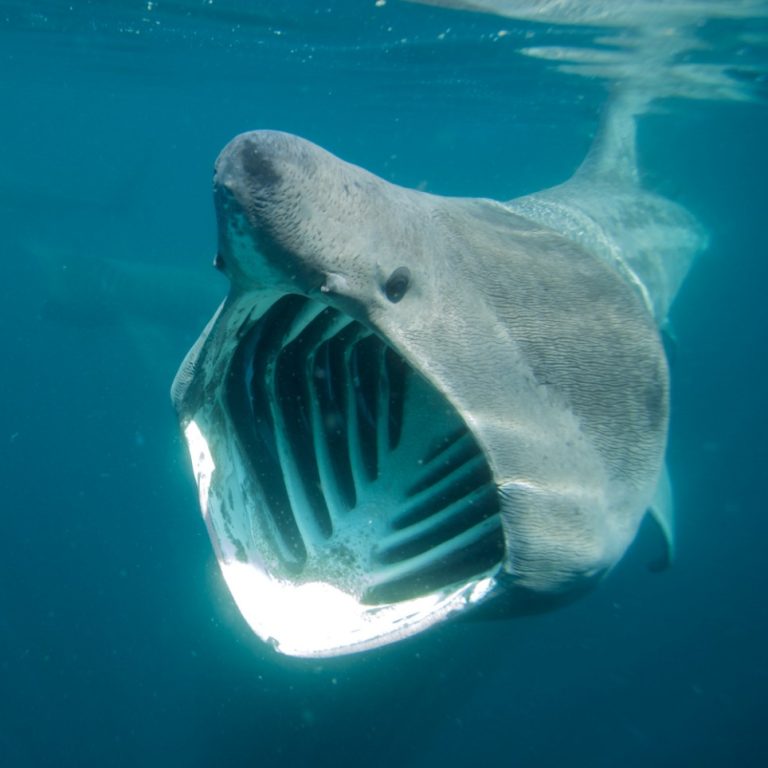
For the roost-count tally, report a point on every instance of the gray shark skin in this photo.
(410, 405)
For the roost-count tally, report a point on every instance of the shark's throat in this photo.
(337, 464)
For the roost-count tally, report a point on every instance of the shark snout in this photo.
(248, 168)
(256, 213)
(258, 162)
(294, 218)
(273, 178)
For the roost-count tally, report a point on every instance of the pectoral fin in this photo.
(662, 510)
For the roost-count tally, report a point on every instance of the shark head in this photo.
(285, 209)
(408, 405)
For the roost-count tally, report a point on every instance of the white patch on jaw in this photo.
(335, 283)
(202, 463)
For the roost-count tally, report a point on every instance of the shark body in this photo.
(411, 405)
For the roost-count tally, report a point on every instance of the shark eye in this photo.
(397, 284)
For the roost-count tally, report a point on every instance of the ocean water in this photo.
(119, 643)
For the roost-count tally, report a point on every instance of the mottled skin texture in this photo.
(546, 349)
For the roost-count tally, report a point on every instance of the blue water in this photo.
(119, 644)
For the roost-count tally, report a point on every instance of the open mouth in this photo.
(360, 477)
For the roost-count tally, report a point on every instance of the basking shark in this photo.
(410, 406)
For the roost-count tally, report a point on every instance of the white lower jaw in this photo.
(315, 619)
